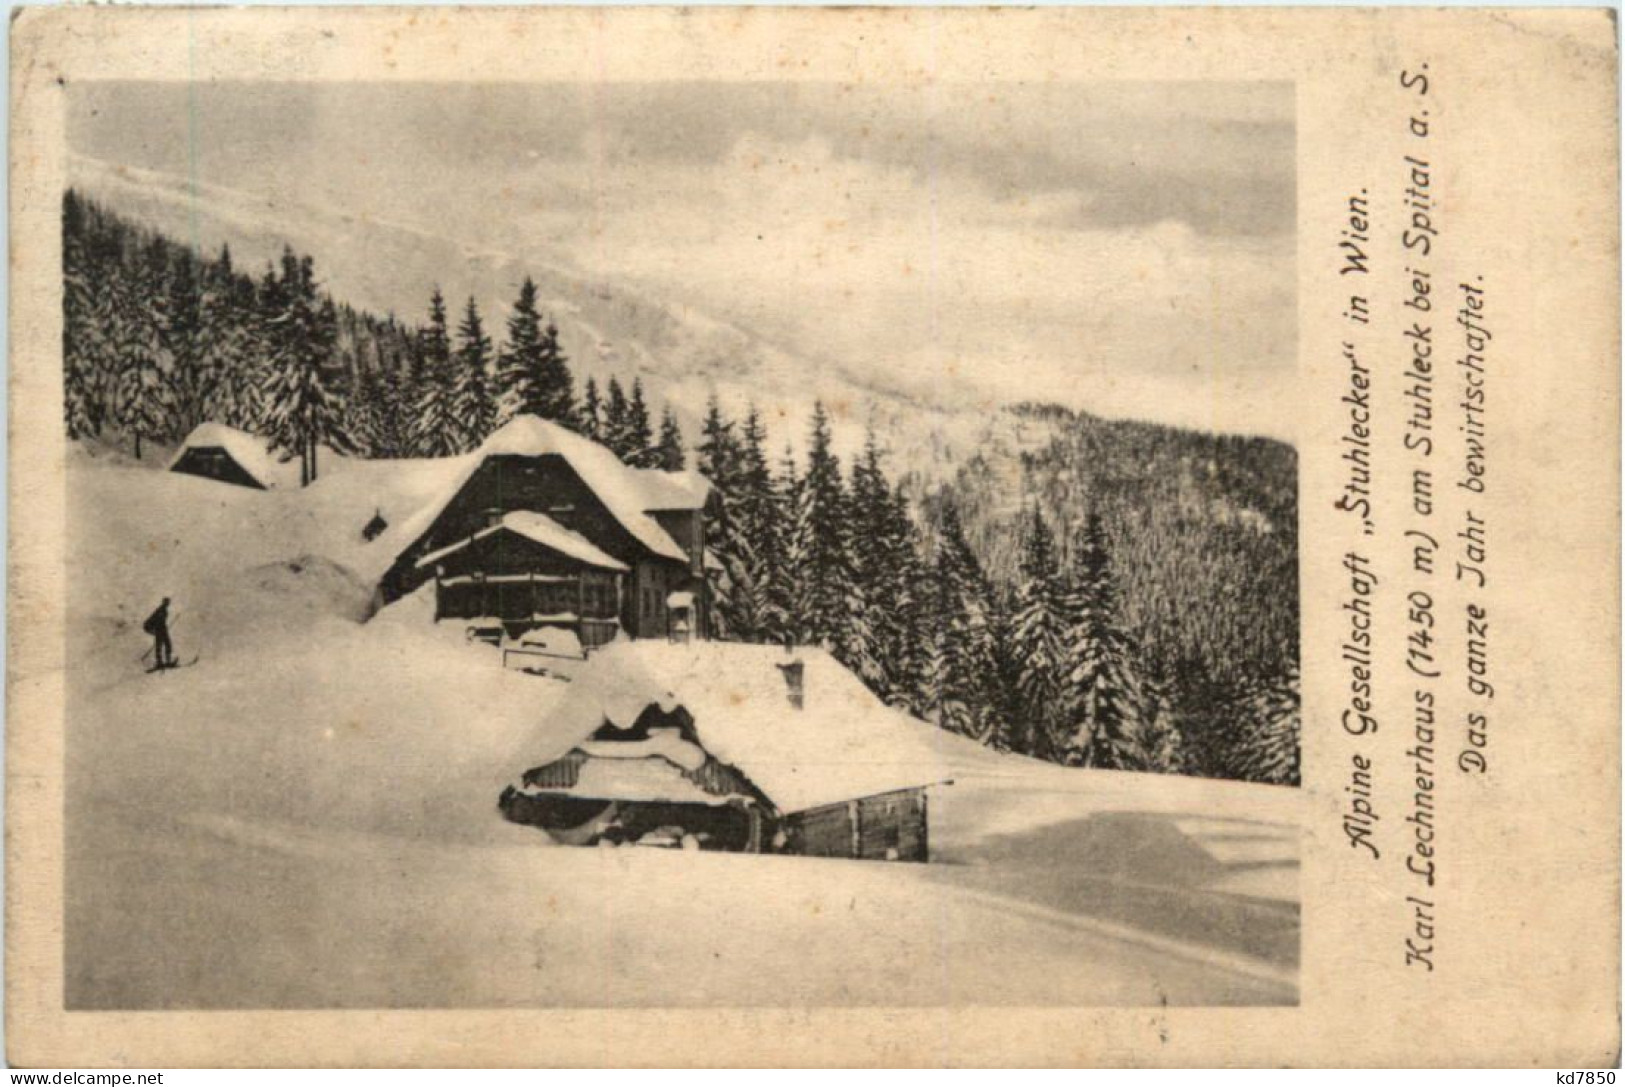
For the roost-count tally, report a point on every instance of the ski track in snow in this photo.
(308, 817)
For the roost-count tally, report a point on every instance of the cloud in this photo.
(1111, 244)
(859, 263)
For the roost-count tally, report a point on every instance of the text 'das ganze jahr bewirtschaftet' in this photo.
(1412, 486)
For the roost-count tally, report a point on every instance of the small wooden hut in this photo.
(227, 455)
(707, 744)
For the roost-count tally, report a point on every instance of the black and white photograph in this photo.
(680, 544)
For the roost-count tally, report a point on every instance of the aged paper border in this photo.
(1530, 975)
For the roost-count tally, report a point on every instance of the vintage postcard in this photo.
(811, 536)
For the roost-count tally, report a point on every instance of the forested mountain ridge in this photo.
(1202, 530)
(610, 326)
(1194, 521)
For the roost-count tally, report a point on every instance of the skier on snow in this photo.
(157, 625)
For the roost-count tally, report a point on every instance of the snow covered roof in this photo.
(665, 743)
(543, 530)
(844, 744)
(649, 780)
(252, 453)
(620, 488)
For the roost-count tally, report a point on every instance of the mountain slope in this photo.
(323, 791)
(1202, 532)
(607, 328)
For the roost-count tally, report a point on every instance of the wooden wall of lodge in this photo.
(872, 828)
(511, 577)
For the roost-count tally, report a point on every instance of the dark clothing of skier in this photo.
(157, 625)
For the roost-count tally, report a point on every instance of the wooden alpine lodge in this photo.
(543, 527)
(228, 455)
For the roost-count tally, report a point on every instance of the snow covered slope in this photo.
(307, 817)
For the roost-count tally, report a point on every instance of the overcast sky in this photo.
(1097, 244)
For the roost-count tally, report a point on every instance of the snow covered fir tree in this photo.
(1124, 596)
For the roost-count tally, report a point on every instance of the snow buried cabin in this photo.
(227, 455)
(545, 528)
(728, 746)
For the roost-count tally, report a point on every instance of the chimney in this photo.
(793, 671)
(793, 674)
